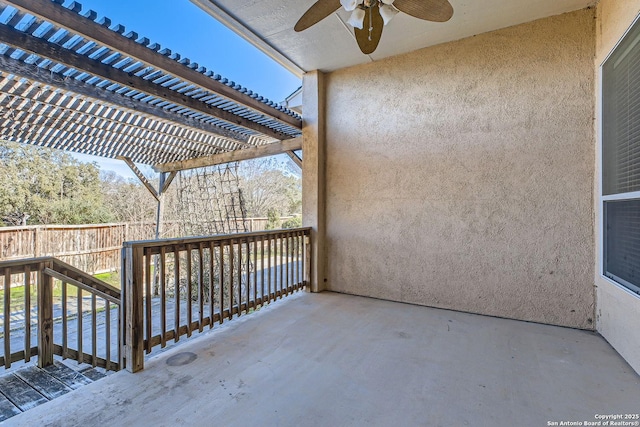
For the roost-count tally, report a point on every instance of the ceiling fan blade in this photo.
(429, 10)
(316, 13)
(362, 36)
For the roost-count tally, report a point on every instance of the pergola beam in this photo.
(233, 156)
(293, 156)
(167, 182)
(91, 30)
(35, 73)
(143, 179)
(57, 53)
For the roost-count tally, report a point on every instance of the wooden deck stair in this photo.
(31, 386)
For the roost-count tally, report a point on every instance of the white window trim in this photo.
(602, 198)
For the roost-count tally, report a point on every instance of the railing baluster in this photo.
(269, 268)
(7, 318)
(212, 257)
(107, 333)
(27, 313)
(94, 330)
(296, 247)
(298, 258)
(176, 295)
(201, 292)
(231, 250)
(148, 299)
(301, 258)
(221, 267)
(65, 326)
(163, 297)
(263, 301)
(79, 322)
(248, 274)
(281, 281)
(189, 291)
(286, 242)
(255, 273)
(239, 274)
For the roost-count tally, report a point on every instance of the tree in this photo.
(128, 200)
(44, 186)
(270, 186)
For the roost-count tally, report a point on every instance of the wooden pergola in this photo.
(73, 83)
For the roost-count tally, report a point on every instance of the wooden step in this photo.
(67, 376)
(31, 386)
(42, 382)
(93, 374)
(7, 409)
(20, 393)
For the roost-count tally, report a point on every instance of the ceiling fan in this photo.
(368, 17)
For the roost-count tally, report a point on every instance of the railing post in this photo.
(45, 316)
(307, 261)
(134, 324)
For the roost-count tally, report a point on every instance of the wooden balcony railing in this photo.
(170, 288)
(177, 287)
(60, 309)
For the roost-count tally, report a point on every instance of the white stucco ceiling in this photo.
(330, 45)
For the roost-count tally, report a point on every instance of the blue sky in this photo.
(184, 28)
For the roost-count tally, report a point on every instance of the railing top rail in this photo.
(105, 225)
(86, 278)
(24, 261)
(62, 227)
(17, 266)
(213, 238)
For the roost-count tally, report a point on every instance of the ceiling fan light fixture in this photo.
(356, 20)
(387, 12)
(349, 5)
(387, 1)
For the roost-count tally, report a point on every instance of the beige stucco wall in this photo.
(461, 176)
(618, 311)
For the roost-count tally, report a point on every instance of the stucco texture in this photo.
(461, 176)
(618, 311)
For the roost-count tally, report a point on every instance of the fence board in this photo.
(93, 248)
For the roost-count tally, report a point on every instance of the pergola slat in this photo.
(69, 58)
(34, 73)
(70, 20)
(70, 108)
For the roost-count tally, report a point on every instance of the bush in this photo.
(295, 222)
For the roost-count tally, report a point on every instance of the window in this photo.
(621, 161)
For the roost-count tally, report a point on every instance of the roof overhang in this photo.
(330, 44)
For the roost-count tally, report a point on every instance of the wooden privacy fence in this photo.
(60, 310)
(93, 248)
(177, 287)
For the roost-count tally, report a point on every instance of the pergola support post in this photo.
(313, 174)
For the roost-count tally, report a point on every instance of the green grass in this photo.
(18, 292)
(111, 278)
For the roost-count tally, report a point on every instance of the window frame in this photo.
(629, 288)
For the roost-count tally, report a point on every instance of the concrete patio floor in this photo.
(337, 360)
